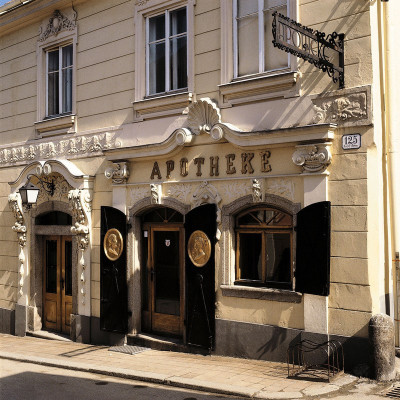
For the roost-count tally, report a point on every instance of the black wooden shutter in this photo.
(313, 249)
(113, 286)
(200, 281)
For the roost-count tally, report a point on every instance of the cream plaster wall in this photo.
(9, 248)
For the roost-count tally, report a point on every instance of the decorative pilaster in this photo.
(312, 157)
(14, 201)
(80, 205)
(119, 172)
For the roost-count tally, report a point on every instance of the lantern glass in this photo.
(29, 193)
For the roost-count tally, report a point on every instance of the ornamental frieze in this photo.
(76, 146)
(346, 107)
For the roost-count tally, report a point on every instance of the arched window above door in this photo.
(54, 218)
(162, 215)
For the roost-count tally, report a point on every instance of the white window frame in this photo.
(61, 123)
(61, 88)
(166, 103)
(235, 90)
(166, 40)
(261, 41)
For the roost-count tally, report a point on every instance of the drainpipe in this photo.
(390, 11)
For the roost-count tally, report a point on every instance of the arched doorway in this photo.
(55, 248)
(162, 271)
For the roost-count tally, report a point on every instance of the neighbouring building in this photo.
(224, 173)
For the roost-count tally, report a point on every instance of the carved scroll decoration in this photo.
(206, 193)
(348, 108)
(312, 158)
(80, 205)
(119, 172)
(58, 22)
(14, 201)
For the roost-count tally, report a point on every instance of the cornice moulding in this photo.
(257, 139)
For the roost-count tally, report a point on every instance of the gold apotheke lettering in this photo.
(246, 165)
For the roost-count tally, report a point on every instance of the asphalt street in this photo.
(26, 381)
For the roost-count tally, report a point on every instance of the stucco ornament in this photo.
(179, 192)
(203, 115)
(80, 205)
(206, 193)
(340, 109)
(281, 187)
(256, 189)
(58, 22)
(14, 201)
(156, 193)
(119, 172)
(84, 146)
(312, 158)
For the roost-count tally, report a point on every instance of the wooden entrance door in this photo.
(57, 283)
(165, 268)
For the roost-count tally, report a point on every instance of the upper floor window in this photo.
(166, 52)
(264, 248)
(59, 75)
(252, 27)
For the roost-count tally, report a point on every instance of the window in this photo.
(166, 52)
(264, 255)
(254, 51)
(56, 72)
(59, 74)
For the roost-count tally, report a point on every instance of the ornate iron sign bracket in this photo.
(326, 52)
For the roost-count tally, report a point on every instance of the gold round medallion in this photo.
(199, 248)
(113, 244)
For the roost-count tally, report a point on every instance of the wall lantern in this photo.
(29, 192)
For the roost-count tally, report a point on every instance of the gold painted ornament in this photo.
(113, 244)
(199, 248)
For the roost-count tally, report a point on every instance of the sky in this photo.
(3, 2)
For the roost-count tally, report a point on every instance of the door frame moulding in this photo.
(78, 199)
(134, 254)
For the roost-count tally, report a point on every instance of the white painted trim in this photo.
(62, 39)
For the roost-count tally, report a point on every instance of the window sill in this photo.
(53, 126)
(247, 292)
(259, 88)
(162, 106)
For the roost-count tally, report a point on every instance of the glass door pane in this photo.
(68, 268)
(166, 272)
(51, 266)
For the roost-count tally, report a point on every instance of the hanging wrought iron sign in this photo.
(326, 52)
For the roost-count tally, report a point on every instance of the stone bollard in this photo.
(381, 337)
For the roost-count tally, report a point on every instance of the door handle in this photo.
(62, 283)
(152, 273)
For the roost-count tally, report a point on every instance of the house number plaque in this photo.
(113, 244)
(199, 248)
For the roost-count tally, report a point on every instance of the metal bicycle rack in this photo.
(298, 356)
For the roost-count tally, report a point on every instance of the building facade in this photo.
(194, 180)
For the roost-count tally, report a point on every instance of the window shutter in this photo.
(113, 285)
(200, 281)
(313, 249)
